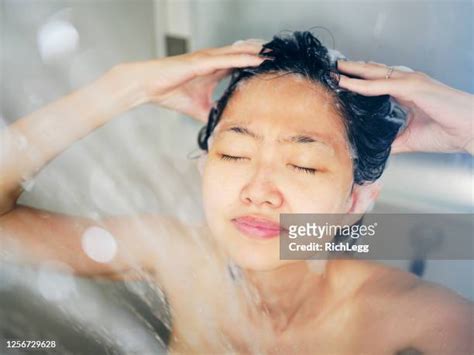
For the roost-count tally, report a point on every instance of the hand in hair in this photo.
(185, 83)
(440, 118)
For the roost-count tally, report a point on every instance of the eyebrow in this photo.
(305, 137)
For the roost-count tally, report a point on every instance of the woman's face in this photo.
(267, 177)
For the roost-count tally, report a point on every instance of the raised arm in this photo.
(30, 142)
(119, 247)
(440, 118)
(183, 83)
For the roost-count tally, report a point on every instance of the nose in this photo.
(261, 191)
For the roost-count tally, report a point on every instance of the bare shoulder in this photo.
(433, 318)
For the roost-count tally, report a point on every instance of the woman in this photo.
(276, 142)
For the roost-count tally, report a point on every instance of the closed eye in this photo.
(298, 168)
(305, 170)
(230, 157)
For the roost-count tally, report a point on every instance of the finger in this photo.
(211, 81)
(367, 70)
(209, 64)
(377, 63)
(400, 145)
(221, 74)
(201, 114)
(248, 47)
(392, 87)
(216, 76)
(251, 40)
(406, 140)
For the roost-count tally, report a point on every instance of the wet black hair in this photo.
(371, 123)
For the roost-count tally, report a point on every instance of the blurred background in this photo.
(141, 160)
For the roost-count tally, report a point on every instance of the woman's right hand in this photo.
(185, 83)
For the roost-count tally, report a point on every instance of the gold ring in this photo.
(389, 72)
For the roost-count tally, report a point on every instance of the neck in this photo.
(288, 293)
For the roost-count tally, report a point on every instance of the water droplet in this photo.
(56, 39)
(99, 244)
(55, 281)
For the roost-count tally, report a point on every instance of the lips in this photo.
(257, 227)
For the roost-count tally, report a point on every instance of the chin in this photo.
(247, 253)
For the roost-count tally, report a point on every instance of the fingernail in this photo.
(255, 40)
(340, 60)
(403, 68)
(238, 43)
(342, 78)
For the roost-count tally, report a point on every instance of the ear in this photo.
(363, 197)
(362, 200)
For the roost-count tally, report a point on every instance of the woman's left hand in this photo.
(440, 118)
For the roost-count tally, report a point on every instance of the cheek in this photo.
(326, 193)
(219, 190)
(321, 197)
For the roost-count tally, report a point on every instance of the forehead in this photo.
(286, 102)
